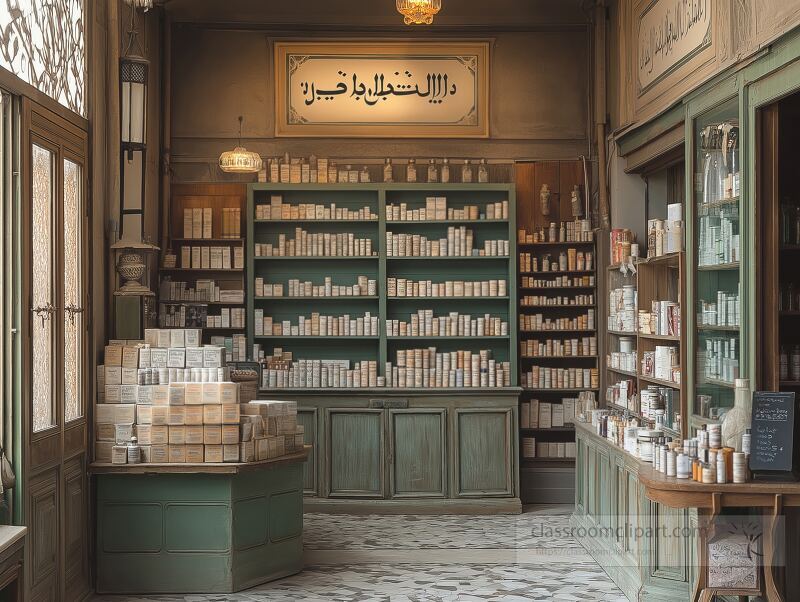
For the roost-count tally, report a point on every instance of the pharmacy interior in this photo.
(338, 259)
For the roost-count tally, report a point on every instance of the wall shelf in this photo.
(345, 270)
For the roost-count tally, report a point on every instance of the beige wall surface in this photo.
(539, 98)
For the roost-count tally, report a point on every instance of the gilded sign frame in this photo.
(471, 55)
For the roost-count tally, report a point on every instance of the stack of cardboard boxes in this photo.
(177, 399)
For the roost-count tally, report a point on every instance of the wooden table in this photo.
(710, 499)
(211, 528)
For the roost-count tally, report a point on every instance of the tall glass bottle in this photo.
(433, 173)
(445, 171)
(411, 171)
(483, 172)
(466, 172)
(388, 176)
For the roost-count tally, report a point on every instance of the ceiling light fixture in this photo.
(240, 160)
(418, 12)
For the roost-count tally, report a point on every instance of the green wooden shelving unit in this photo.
(345, 270)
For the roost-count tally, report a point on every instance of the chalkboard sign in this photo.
(772, 449)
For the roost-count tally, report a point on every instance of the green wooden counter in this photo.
(646, 547)
(214, 528)
(410, 451)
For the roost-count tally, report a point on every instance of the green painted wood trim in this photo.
(641, 135)
(394, 445)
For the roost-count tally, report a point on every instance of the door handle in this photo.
(44, 312)
(73, 309)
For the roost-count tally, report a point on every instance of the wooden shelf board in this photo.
(210, 240)
(562, 331)
(568, 389)
(315, 221)
(503, 298)
(201, 303)
(316, 337)
(719, 267)
(712, 328)
(659, 337)
(558, 357)
(314, 257)
(414, 222)
(556, 429)
(658, 381)
(208, 270)
(564, 306)
(556, 244)
(312, 298)
(622, 333)
(556, 273)
(555, 288)
(789, 383)
(538, 461)
(449, 257)
(445, 338)
(716, 382)
(718, 203)
(620, 371)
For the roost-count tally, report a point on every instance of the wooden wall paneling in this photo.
(215, 195)
(307, 417)
(355, 455)
(481, 441)
(43, 523)
(418, 453)
(76, 531)
(524, 177)
(570, 174)
(547, 172)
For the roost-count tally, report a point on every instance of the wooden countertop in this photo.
(204, 468)
(685, 493)
(9, 535)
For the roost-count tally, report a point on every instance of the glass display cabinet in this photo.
(717, 262)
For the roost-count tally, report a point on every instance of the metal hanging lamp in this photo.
(240, 160)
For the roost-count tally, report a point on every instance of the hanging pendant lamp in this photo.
(240, 160)
(418, 12)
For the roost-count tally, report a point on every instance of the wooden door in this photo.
(55, 371)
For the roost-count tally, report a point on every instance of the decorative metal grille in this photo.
(43, 43)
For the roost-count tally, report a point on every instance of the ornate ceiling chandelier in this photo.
(418, 12)
(240, 160)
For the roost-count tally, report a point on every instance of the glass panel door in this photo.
(718, 253)
(73, 289)
(43, 176)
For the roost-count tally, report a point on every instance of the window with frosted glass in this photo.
(42, 287)
(73, 285)
(43, 43)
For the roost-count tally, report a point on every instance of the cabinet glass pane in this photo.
(718, 277)
(73, 284)
(42, 287)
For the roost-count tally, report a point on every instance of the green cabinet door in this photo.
(355, 458)
(483, 447)
(417, 462)
(307, 417)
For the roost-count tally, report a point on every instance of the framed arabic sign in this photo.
(382, 90)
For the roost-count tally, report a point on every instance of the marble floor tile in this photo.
(433, 559)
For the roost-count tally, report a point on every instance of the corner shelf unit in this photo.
(346, 270)
(566, 433)
(656, 279)
(219, 198)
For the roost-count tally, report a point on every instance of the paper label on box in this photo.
(176, 358)
(194, 357)
(158, 357)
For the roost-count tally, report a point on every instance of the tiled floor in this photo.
(433, 558)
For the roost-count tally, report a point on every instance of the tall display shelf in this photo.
(345, 270)
(225, 234)
(419, 447)
(553, 303)
(717, 275)
(655, 279)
